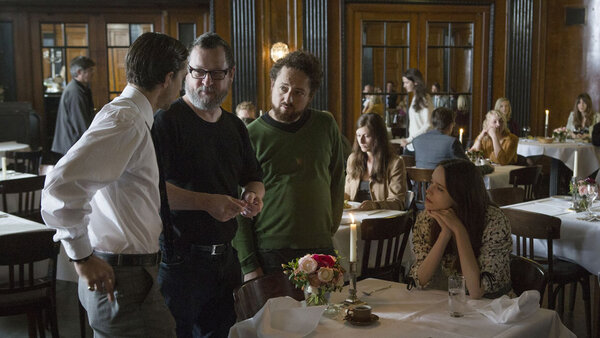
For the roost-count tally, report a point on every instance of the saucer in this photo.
(373, 319)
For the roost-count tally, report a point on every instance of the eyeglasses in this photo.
(201, 73)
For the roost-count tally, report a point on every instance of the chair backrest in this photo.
(420, 178)
(25, 161)
(27, 189)
(527, 226)
(527, 274)
(252, 295)
(391, 234)
(506, 196)
(19, 252)
(528, 178)
(409, 161)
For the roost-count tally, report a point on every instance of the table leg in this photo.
(554, 177)
(596, 311)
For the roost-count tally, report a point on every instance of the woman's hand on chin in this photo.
(447, 218)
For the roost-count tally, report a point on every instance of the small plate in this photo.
(374, 318)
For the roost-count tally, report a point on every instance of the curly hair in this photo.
(416, 77)
(382, 152)
(303, 61)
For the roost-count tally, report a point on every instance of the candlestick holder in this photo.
(546, 130)
(352, 297)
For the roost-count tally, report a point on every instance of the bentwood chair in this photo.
(253, 294)
(506, 196)
(27, 190)
(527, 274)
(390, 234)
(23, 292)
(420, 179)
(527, 226)
(527, 177)
(25, 161)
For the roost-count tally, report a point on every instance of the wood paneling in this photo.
(244, 47)
(221, 18)
(334, 61)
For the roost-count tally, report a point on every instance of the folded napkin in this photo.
(504, 310)
(280, 317)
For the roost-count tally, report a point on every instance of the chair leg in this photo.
(82, 320)
(31, 324)
(585, 290)
(561, 301)
(572, 297)
(40, 321)
(551, 295)
(53, 322)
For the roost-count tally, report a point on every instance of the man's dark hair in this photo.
(151, 57)
(210, 40)
(302, 61)
(442, 117)
(80, 62)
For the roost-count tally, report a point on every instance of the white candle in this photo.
(547, 113)
(353, 238)
(575, 166)
(460, 134)
(3, 168)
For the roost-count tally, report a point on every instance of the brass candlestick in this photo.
(352, 297)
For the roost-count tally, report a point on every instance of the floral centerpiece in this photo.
(475, 155)
(317, 275)
(560, 134)
(580, 193)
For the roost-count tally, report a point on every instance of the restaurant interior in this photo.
(540, 54)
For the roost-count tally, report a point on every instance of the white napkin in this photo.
(504, 310)
(280, 317)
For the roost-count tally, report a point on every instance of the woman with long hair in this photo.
(496, 141)
(421, 106)
(374, 103)
(503, 105)
(376, 176)
(461, 231)
(582, 119)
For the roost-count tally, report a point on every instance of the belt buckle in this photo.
(214, 252)
(119, 259)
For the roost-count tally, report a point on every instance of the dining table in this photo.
(12, 146)
(10, 224)
(499, 178)
(341, 238)
(588, 158)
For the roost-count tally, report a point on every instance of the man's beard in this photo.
(287, 117)
(205, 103)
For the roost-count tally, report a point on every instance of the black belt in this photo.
(130, 259)
(214, 250)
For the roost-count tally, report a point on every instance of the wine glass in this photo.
(591, 194)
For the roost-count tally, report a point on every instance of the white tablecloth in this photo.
(13, 199)
(419, 313)
(341, 239)
(587, 158)
(499, 178)
(579, 240)
(12, 146)
(12, 224)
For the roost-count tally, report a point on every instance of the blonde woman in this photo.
(503, 106)
(496, 141)
(374, 103)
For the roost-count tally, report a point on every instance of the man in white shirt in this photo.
(103, 198)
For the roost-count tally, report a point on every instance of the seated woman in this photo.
(374, 103)
(582, 119)
(503, 106)
(461, 231)
(375, 175)
(496, 141)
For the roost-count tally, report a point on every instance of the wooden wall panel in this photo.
(244, 48)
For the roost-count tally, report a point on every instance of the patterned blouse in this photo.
(494, 257)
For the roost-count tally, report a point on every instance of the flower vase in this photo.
(580, 202)
(562, 138)
(316, 296)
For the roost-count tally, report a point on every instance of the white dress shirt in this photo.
(103, 194)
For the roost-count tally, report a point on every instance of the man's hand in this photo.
(254, 204)
(99, 275)
(223, 207)
(254, 274)
(403, 142)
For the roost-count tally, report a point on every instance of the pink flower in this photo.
(307, 264)
(313, 280)
(325, 275)
(324, 260)
(583, 190)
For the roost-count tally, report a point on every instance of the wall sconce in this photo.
(279, 50)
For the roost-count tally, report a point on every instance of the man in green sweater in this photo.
(300, 151)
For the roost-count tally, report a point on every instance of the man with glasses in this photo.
(206, 157)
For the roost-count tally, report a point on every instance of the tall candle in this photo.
(353, 239)
(460, 134)
(547, 113)
(575, 166)
(3, 168)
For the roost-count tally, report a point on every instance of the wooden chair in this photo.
(420, 179)
(27, 190)
(252, 295)
(527, 226)
(391, 234)
(527, 274)
(506, 196)
(409, 161)
(25, 161)
(528, 178)
(24, 293)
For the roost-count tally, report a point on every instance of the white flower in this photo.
(325, 275)
(307, 264)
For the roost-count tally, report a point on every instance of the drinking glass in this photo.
(456, 295)
(592, 193)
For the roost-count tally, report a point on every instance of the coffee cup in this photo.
(360, 313)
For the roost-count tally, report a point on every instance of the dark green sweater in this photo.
(304, 183)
